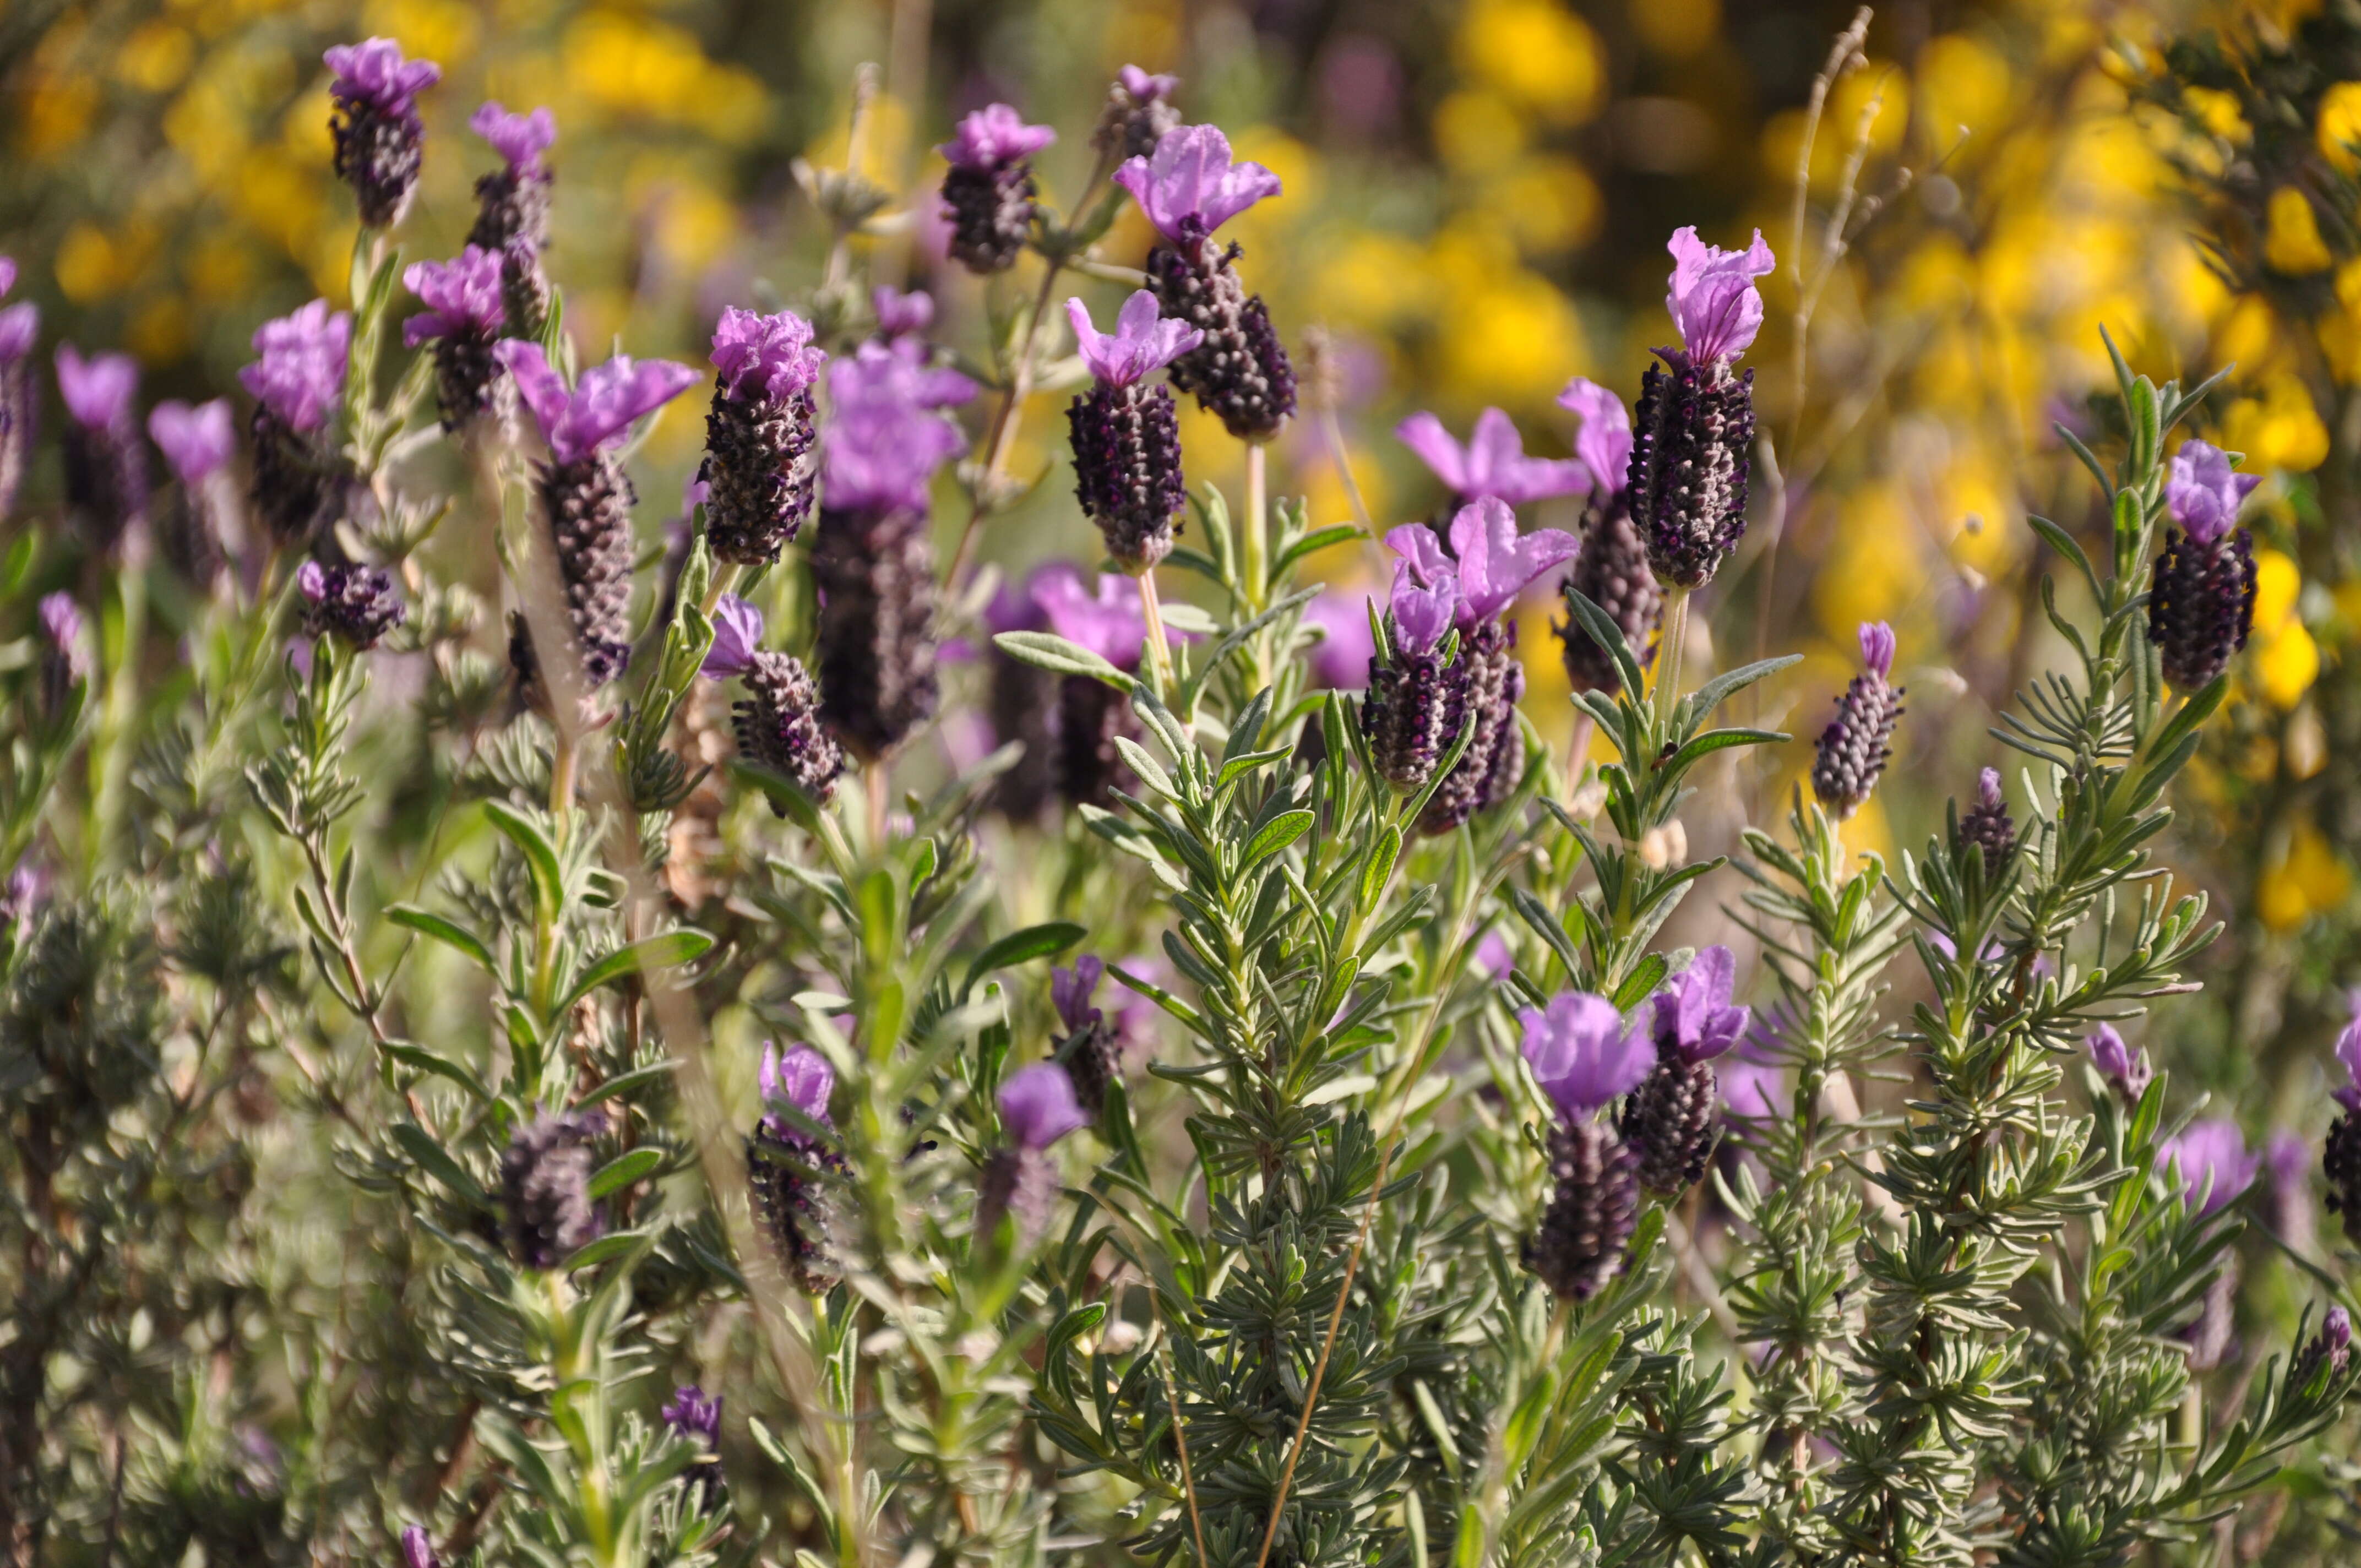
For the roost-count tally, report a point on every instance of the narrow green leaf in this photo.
(425, 1060)
(667, 950)
(1643, 979)
(1048, 651)
(540, 854)
(1277, 834)
(1023, 946)
(436, 1160)
(624, 1169)
(448, 932)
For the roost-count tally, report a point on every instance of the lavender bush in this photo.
(484, 1088)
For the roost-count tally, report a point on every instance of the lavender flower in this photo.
(761, 456)
(546, 1190)
(1090, 1053)
(583, 489)
(988, 190)
(106, 464)
(1416, 700)
(1341, 658)
(1188, 189)
(2209, 1158)
(1493, 462)
(1988, 826)
(1854, 747)
(796, 1181)
(694, 1415)
(297, 384)
(20, 327)
(1091, 714)
(900, 314)
(1126, 438)
(2340, 1158)
(1611, 571)
(418, 1548)
(197, 444)
(2124, 1066)
(2200, 601)
(25, 889)
(800, 1077)
(1672, 1119)
(1687, 478)
(1023, 699)
(1582, 1059)
(777, 722)
(63, 670)
(886, 436)
(513, 211)
(2332, 1346)
(1139, 113)
(462, 320)
(378, 135)
(358, 604)
(1038, 1107)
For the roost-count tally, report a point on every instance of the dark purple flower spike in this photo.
(1139, 113)
(2340, 1160)
(546, 1190)
(20, 328)
(462, 320)
(2201, 602)
(380, 138)
(1111, 622)
(1988, 826)
(297, 383)
(1583, 1058)
(1612, 569)
(777, 722)
(988, 190)
(513, 211)
(1038, 1107)
(356, 603)
(1853, 749)
(797, 1180)
(761, 457)
(197, 444)
(106, 462)
(1126, 438)
(1672, 1119)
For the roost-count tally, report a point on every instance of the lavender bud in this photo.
(297, 382)
(64, 667)
(378, 135)
(2201, 605)
(1988, 825)
(1091, 1054)
(513, 202)
(1488, 771)
(358, 604)
(1612, 572)
(418, 1548)
(778, 725)
(1593, 1206)
(1412, 712)
(588, 504)
(988, 190)
(545, 1190)
(1139, 113)
(1672, 1121)
(875, 644)
(1854, 747)
(2124, 1067)
(760, 455)
(693, 1414)
(2333, 1345)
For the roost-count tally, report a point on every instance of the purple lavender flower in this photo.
(1582, 1057)
(2124, 1066)
(800, 1077)
(1023, 698)
(583, 490)
(1126, 438)
(1672, 1120)
(900, 314)
(1988, 826)
(2340, 1160)
(1038, 1107)
(106, 464)
(988, 190)
(1088, 768)
(24, 891)
(462, 320)
(2201, 598)
(696, 1415)
(796, 1179)
(1694, 1019)
(760, 455)
(885, 438)
(2209, 1157)
(1696, 414)
(1496, 563)
(1190, 187)
(1110, 622)
(1853, 749)
(20, 327)
(777, 723)
(418, 1548)
(520, 139)
(1603, 443)
(1493, 462)
(1340, 658)
(356, 603)
(1071, 991)
(378, 135)
(1091, 1051)
(1139, 113)
(513, 211)
(1580, 1053)
(1416, 702)
(1612, 569)
(546, 1190)
(62, 672)
(738, 630)
(196, 441)
(299, 377)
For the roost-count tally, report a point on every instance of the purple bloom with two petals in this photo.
(601, 407)
(1144, 86)
(1143, 342)
(1580, 1053)
(988, 190)
(1604, 442)
(2125, 1066)
(379, 136)
(1496, 563)
(97, 391)
(1110, 622)
(992, 135)
(1340, 660)
(1038, 1106)
(520, 139)
(1127, 436)
(1694, 1017)
(462, 296)
(1713, 300)
(106, 465)
(1493, 462)
(197, 442)
(301, 374)
(884, 440)
(800, 1077)
(376, 73)
(736, 636)
(1421, 612)
(900, 314)
(2203, 492)
(773, 353)
(2210, 1157)
(1071, 991)
(1190, 187)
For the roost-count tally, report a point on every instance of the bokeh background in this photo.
(1477, 201)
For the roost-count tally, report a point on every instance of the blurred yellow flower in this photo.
(1372, 279)
(2285, 659)
(1552, 203)
(1872, 568)
(1676, 27)
(2340, 126)
(1964, 86)
(2293, 244)
(2279, 430)
(156, 55)
(1513, 339)
(440, 30)
(633, 66)
(1477, 132)
(2218, 112)
(1538, 52)
(2309, 880)
(55, 115)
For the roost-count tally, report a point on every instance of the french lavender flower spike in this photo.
(106, 465)
(2340, 1158)
(1696, 423)
(1139, 113)
(356, 603)
(1416, 703)
(546, 1190)
(1672, 1121)
(297, 383)
(800, 1077)
(197, 444)
(1987, 825)
(465, 318)
(1582, 1057)
(988, 191)
(1853, 749)
(1111, 621)
(762, 458)
(1038, 1107)
(379, 139)
(2124, 1067)
(1091, 1051)
(2200, 603)
(737, 629)
(1126, 435)
(1493, 462)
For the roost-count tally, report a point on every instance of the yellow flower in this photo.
(2278, 430)
(155, 57)
(1477, 132)
(2340, 125)
(2294, 245)
(1873, 566)
(1676, 27)
(1963, 86)
(2286, 660)
(2218, 113)
(2309, 879)
(1537, 53)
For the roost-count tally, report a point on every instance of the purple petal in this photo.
(1604, 442)
(1713, 300)
(540, 387)
(1340, 660)
(375, 73)
(463, 291)
(1418, 544)
(1190, 176)
(301, 372)
(1071, 988)
(773, 351)
(1038, 1105)
(994, 136)
(737, 634)
(800, 1078)
(2203, 492)
(97, 391)
(1495, 564)
(1497, 466)
(1143, 88)
(2210, 1157)
(900, 314)
(1422, 615)
(8, 271)
(1424, 435)
(520, 139)
(196, 440)
(1111, 621)
(1143, 342)
(20, 328)
(1877, 647)
(418, 1548)
(1580, 1054)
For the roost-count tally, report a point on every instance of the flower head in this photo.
(1604, 442)
(60, 621)
(1495, 564)
(2203, 492)
(1694, 1016)
(693, 1414)
(775, 350)
(462, 295)
(1340, 660)
(520, 139)
(375, 73)
(900, 314)
(1713, 301)
(302, 372)
(992, 135)
(1877, 647)
(1191, 177)
(2211, 1156)
(1143, 87)
(1071, 988)
(97, 391)
(1143, 341)
(418, 1548)
(1421, 612)
(1493, 462)
(602, 406)
(1580, 1054)
(736, 636)
(800, 1078)
(884, 440)
(2124, 1065)
(1038, 1105)
(196, 440)
(20, 327)
(1110, 622)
